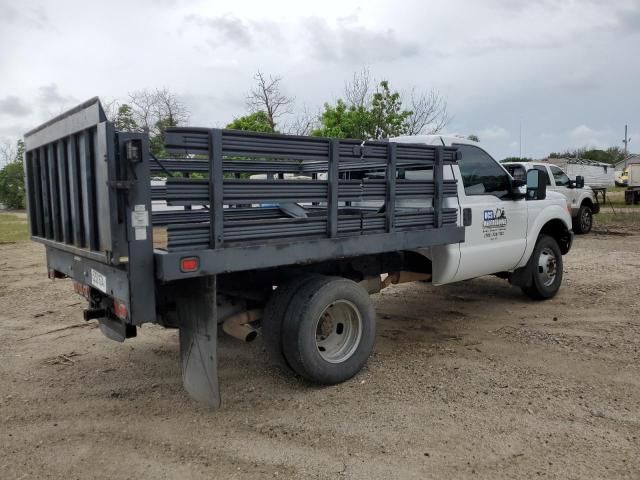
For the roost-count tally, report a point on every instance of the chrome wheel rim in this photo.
(585, 220)
(547, 266)
(338, 331)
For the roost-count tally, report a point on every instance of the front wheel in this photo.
(583, 222)
(329, 330)
(545, 266)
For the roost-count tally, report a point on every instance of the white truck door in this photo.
(561, 184)
(497, 237)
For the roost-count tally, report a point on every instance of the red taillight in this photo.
(189, 264)
(120, 309)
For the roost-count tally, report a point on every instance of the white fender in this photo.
(540, 213)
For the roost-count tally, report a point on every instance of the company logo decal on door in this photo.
(494, 224)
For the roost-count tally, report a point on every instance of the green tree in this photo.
(382, 116)
(125, 121)
(254, 122)
(611, 155)
(20, 149)
(473, 137)
(156, 139)
(342, 121)
(388, 116)
(12, 193)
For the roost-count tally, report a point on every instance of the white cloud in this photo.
(497, 61)
(14, 106)
(585, 136)
(492, 133)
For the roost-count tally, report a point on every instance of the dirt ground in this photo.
(467, 381)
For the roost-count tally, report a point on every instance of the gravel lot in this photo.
(467, 381)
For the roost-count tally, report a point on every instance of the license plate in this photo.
(99, 281)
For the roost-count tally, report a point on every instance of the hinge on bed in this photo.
(120, 184)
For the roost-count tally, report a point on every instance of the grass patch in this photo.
(13, 228)
(616, 198)
(628, 221)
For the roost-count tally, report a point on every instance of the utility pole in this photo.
(520, 142)
(626, 142)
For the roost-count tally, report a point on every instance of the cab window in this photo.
(481, 174)
(561, 178)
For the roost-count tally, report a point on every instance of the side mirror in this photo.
(536, 185)
(579, 181)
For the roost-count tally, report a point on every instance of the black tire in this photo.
(541, 286)
(343, 308)
(273, 316)
(583, 221)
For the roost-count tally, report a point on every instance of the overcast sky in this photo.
(567, 71)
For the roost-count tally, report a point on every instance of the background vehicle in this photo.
(622, 177)
(581, 199)
(632, 193)
(300, 256)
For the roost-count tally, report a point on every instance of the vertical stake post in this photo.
(437, 185)
(333, 185)
(216, 185)
(390, 200)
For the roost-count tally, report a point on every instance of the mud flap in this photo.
(197, 318)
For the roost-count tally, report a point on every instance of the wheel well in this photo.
(558, 230)
(258, 284)
(588, 202)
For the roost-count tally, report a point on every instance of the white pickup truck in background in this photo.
(581, 199)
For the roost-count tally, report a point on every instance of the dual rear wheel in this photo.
(321, 327)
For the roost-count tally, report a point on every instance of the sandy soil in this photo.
(466, 381)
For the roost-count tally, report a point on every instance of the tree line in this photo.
(366, 110)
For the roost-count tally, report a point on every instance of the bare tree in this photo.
(358, 90)
(428, 112)
(170, 108)
(153, 107)
(110, 108)
(143, 103)
(7, 152)
(267, 97)
(303, 123)
(428, 109)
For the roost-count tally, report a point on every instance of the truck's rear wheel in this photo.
(273, 316)
(583, 222)
(545, 266)
(329, 330)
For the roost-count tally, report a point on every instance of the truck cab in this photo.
(503, 224)
(580, 199)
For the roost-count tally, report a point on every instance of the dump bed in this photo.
(115, 217)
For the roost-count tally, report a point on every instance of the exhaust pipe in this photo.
(238, 325)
